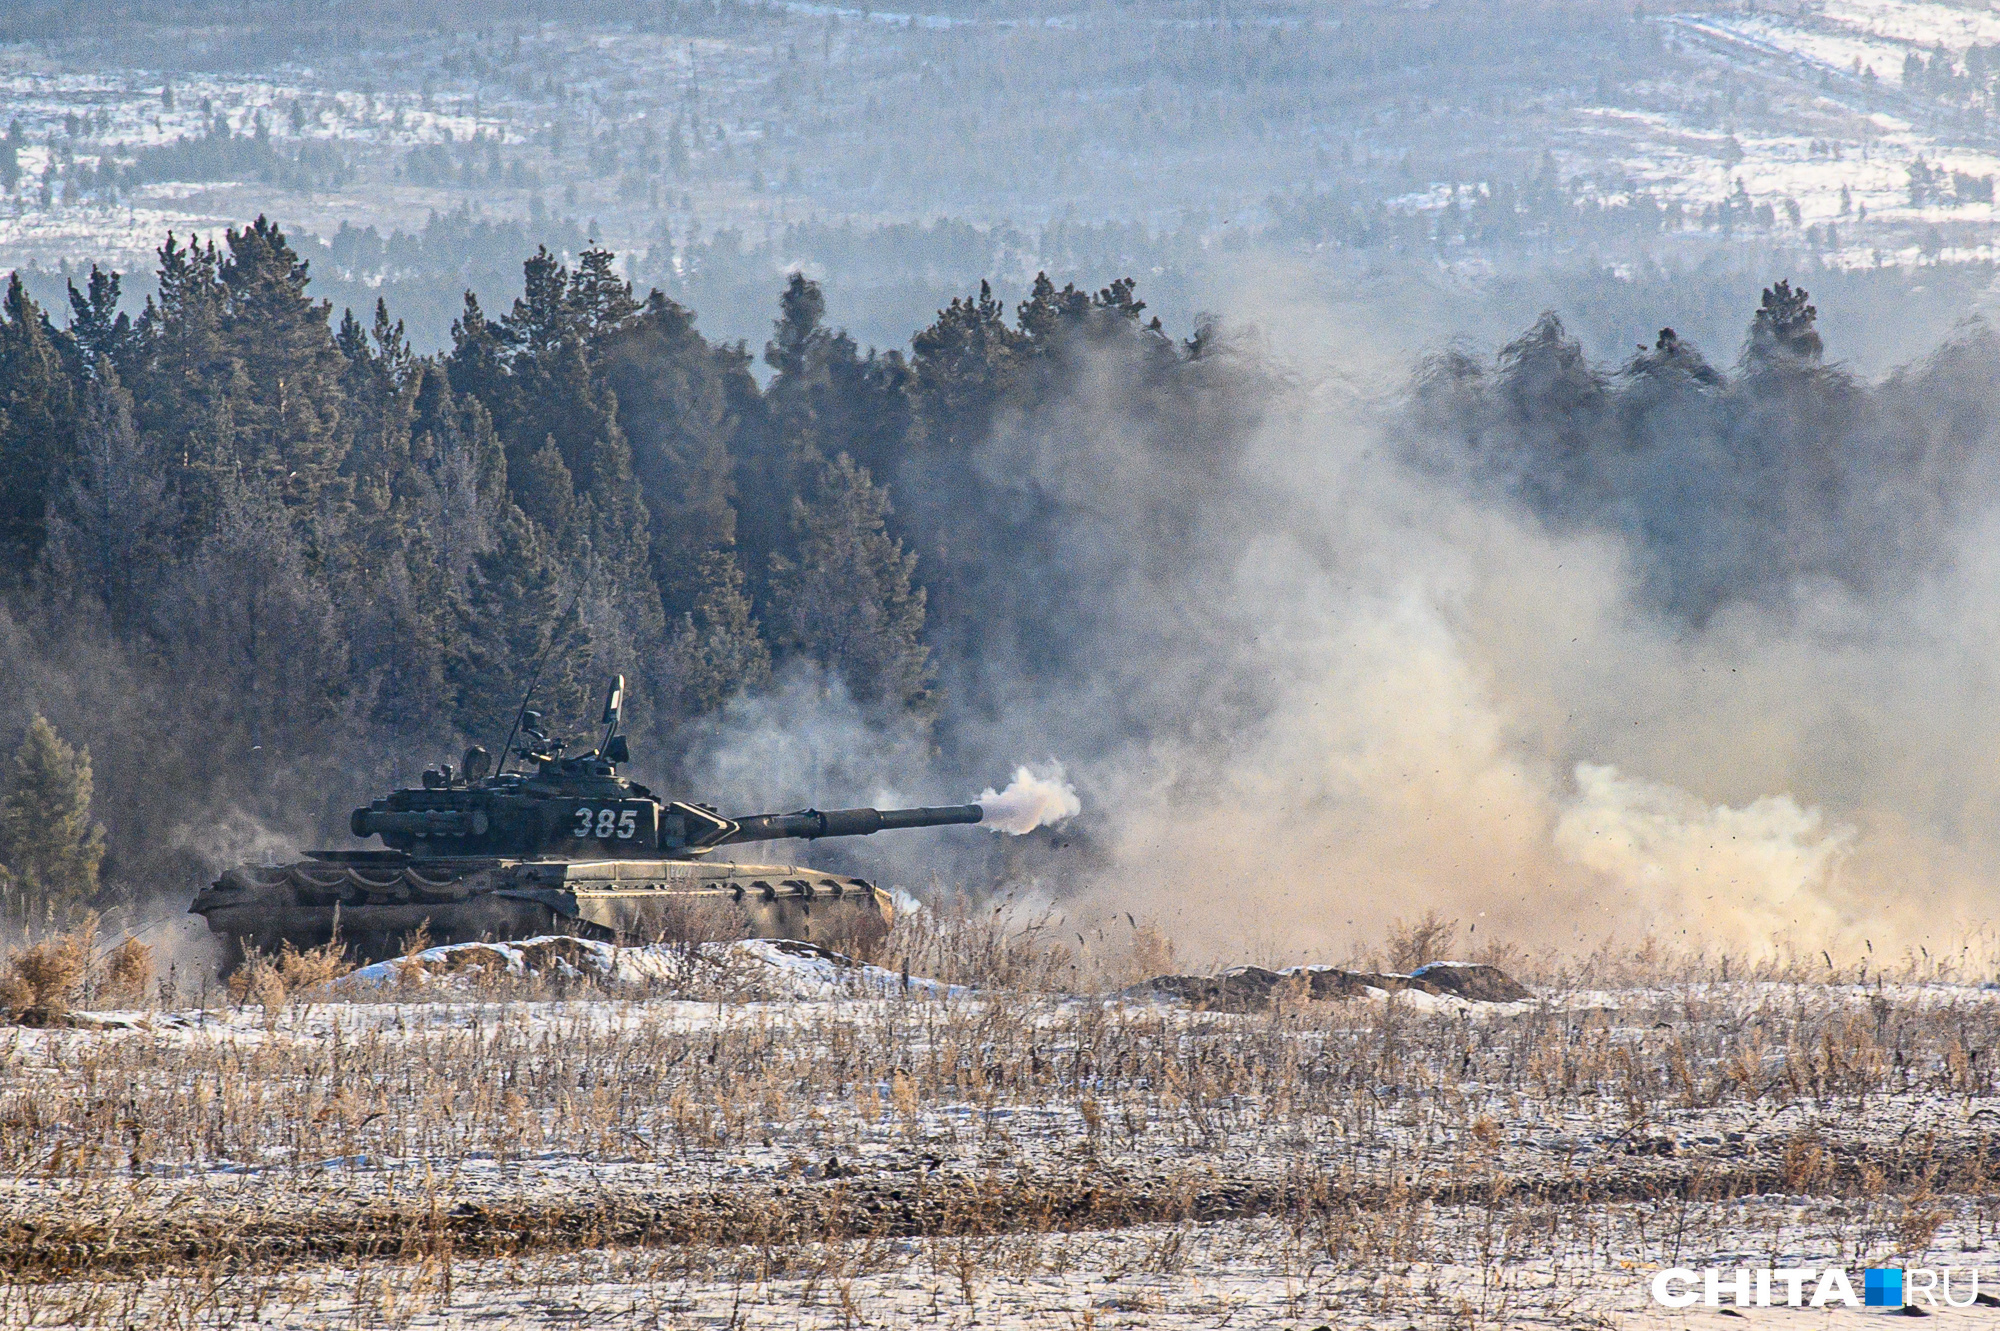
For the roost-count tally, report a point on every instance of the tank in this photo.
(566, 847)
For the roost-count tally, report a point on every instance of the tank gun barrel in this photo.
(809, 824)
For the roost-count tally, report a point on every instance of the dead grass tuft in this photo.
(292, 975)
(128, 971)
(1420, 943)
(985, 945)
(44, 979)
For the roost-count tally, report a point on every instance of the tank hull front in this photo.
(379, 905)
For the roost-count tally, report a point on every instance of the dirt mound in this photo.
(1479, 984)
(1252, 988)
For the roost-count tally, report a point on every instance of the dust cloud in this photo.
(1571, 673)
(1473, 705)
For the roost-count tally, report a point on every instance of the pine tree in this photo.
(717, 650)
(103, 335)
(1783, 327)
(184, 382)
(1055, 326)
(535, 372)
(1048, 314)
(546, 493)
(825, 400)
(826, 393)
(599, 300)
(849, 599)
(477, 365)
(249, 627)
(430, 479)
(542, 317)
(288, 427)
(1673, 359)
(37, 428)
(799, 336)
(680, 402)
(506, 620)
(112, 527)
(569, 409)
(568, 462)
(392, 346)
(50, 851)
(964, 364)
(454, 445)
(1548, 383)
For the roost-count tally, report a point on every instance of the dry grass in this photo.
(499, 1120)
(1007, 945)
(291, 976)
(43, 979)
(1432, 938)
(991, 945)
(128, 971)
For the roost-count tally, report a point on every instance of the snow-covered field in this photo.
(755, 1135)
(1467, 1266)
(1854, 124)
(1799, 105)
(77, 116)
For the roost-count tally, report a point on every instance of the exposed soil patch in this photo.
(1254, 989)
(903, 1203)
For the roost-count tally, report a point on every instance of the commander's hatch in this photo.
(692, 829)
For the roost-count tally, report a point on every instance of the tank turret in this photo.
(566, 846)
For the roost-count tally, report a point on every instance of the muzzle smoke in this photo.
(1032, 799)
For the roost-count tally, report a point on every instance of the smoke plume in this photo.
(1571, 651)
(1032, 799)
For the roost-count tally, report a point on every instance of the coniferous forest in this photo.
(259, 560)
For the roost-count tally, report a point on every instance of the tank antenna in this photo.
(521, 712)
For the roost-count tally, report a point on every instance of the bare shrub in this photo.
(305, 972)
(256, 981)
(691, 920)
(43, 979)
(1501, 954)
(417, 940)
(128, 971)
(693, 928)
(1151, 953)
(1918, 1224)
(960, 942)
(859, 934)
(292, 974)
(687, 929)
(1807, 1164)
(1420, 943)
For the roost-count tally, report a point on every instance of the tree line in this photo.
(260, 561)
(1730, 484)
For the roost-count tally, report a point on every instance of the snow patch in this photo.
(766, 967)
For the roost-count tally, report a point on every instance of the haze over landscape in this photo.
(1353, 584)
(1366, 634)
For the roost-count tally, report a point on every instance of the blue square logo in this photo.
(1882, 1287)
